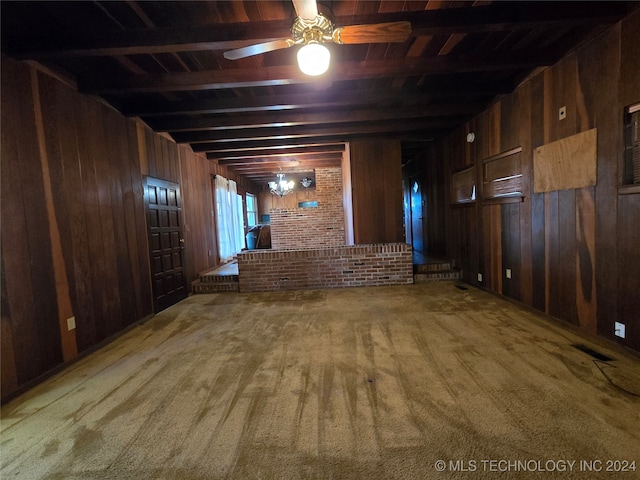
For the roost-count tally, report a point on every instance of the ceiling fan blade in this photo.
(258, 48)
(306, 9)
(374, 33)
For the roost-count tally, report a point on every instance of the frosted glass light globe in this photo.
(313, 59)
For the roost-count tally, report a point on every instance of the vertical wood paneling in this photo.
(17, 304)
(132, 200)
(116, 136)
(538, 245)
(83, 301)
(151, 155)
(494, 245)
(141, 142)
(629, 60)
(376, 174)
(37, 228)
(586, 301)
(525, 274)
(435, 203)
(197, 195)
(9, 381)
(510, 225)
(551, 251)
(52, 172)
(628, 262)
(628, 218)
(72, 185)
(26, 250)
(598, 65)
(565, 268)
(538, 252)
(571, 264)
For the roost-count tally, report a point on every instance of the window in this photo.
(252, 210)
(632, 146)
(229, 219)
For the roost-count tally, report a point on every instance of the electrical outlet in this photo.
(71, 323)
(562, 113)
(480, 277)
(619, 329)
(508, 273)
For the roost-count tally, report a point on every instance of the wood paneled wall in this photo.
(574, 253)
(74, 240)
(376, 182)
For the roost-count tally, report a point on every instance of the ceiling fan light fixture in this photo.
(313, 59)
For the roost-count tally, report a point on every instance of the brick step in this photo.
(198, 286)
(212, 278)
(437, 276)
(432, 267)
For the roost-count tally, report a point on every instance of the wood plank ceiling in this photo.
(163, 62)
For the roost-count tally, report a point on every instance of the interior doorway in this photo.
(416, 205)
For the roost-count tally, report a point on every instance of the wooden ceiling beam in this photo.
(150, 108)
(290, 74)
(279, 152)
(497, 17)
(227, 149)
(287, 119)
(291, 133)
(222, 148)
(279, 159)
(261, 162)
(274, 167)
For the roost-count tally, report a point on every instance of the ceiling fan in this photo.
(311, 29)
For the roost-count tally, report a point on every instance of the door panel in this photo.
(165, 242)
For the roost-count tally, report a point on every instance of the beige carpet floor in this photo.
(421, 382)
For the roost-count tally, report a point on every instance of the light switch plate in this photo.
(71, 323)
(508, 273)
(619, 329)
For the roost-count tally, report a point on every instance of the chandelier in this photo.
(281, 187)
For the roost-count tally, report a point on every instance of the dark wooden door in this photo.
(166, 243)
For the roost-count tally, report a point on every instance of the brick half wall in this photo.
(330, 267)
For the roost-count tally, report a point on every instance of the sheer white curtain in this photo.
(225, 245)
(237, 219)
(230, 219)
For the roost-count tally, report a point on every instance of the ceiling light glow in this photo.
(313, 59)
